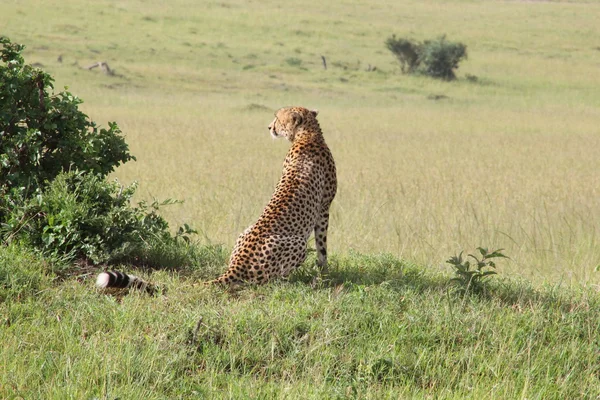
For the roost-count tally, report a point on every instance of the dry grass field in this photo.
(426, 168)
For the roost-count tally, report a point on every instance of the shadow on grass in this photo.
(199, 262)
(368, 270)
(399, 275)
(361, 270)
(521, 295)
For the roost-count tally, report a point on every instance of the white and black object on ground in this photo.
(115, 279)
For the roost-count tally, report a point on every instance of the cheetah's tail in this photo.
(218, 281)
(226, 279)
(115, 279)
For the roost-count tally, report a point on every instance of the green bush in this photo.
(81, 215)
(43, 134)
(53, 165)
(437, 58)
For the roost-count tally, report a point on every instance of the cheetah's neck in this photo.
(308, 133)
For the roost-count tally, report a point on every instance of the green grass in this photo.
(509, 161)
(376, 327)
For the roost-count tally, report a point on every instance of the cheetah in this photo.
(276, 244)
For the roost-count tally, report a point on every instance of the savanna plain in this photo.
(505, 156)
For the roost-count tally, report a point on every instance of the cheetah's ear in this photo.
(314, 112)
(297, 119)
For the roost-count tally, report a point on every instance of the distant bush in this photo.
(437, 58)
(406, 51)
(53, 162)
(294, 62)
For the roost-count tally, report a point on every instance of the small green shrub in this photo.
(437, 58)
(470, 279)
(81, 215)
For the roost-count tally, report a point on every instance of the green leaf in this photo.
(497, 253)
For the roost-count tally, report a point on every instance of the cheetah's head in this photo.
(289, 119)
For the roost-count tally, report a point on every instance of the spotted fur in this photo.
(276, 244)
